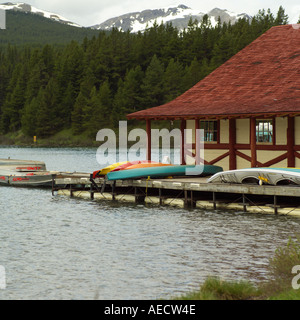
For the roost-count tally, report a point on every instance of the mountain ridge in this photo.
(27, 8)
(140, 20)
(179, 17)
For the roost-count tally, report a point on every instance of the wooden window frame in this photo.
(273, 122)
(217, 130)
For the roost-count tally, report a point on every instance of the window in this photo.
(264, 130)
(210, 130)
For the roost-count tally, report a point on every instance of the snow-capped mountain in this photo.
(24, 7)
(179, 17)
(138, 21)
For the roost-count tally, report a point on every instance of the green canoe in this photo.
(165, 171)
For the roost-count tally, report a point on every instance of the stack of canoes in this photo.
(24, 173)
(146, 169)
(261, 176)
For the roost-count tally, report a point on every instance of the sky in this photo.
(91, 12)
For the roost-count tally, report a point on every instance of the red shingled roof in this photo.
(263, 78)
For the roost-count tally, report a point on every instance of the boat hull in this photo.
(268, 176)
(131, 163)
(104, 171)
(22, 165)
(164, 171)
(22, 179)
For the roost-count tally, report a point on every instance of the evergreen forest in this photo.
(89, 84)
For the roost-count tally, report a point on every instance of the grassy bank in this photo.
(277, 287)
(66, 137)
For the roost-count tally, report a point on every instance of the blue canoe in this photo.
(165, 171)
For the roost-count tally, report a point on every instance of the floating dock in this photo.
(189, 192)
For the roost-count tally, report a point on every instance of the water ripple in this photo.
(62, 248)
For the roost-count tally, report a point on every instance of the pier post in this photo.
(113, 190)
(275, 205)
(185, 197)
(244, 203)
(160, 196)
(214, 201)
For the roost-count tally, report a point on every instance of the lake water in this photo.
(55, 247)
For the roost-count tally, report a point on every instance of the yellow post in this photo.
(34, 139)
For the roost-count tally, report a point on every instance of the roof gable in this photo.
(263, 78)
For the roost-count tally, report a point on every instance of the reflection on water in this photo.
(61, 248)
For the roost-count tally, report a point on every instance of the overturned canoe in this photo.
(132, 163)
(102, 172)
(148, 165)
(269, 176)
(164, 171)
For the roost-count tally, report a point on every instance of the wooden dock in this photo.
(193, 192)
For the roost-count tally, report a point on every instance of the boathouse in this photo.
(249, 107)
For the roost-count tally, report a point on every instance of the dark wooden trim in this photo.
(216, 146)
(274, 131)
(253, 142)
(218, 132)
(197, 143)
(241, 146)
(232, 142)
(182, 128)
(148, 130)
(275, 160)
(297, 155)
(218, 158)
(291, 161)
(248, 158)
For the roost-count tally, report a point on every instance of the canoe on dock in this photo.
(104, 171)
(132, 163)
(164, 171)
(122, 166)
(148, 165)
(269, 176)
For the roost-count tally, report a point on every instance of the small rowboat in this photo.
(28, 179)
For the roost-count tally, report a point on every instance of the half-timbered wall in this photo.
(236, 149)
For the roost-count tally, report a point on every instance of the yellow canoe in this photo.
(104, 171)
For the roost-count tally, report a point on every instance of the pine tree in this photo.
(77, 115)
(29, 117)
(281, 17)
(223, 50)
(48, 115)
(132, 91)
(173, 80)
(152, 86)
